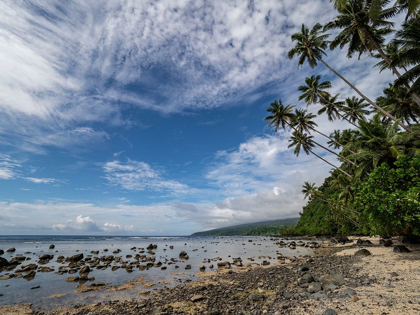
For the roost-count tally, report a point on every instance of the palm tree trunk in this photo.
(348, 120)
(334, 204)
(325, 148)
(333, 141)
(394, 69)
(336, 167)
(364, 96)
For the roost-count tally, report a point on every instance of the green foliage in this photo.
(389, 200)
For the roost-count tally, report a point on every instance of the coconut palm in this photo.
(362, 34)
(309, 190)
(313, 92)
(310, 46)
(399, 103)
(355, 109)
(302, 141)
(303, 122)
(335, 143)
(280, 115)
(409, 55)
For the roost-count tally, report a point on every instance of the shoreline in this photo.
(384, 282)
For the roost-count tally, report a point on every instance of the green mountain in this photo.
(257, 228)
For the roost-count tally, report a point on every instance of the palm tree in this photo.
(332, 108)
(310, 46)
(335, 143)
(355, 109)
(363, 34)
(409, 55)
(280, 115)
(313, 92)
(380, 142)
(302, 141)
(399, 103)
(309, 190)
(303, 122)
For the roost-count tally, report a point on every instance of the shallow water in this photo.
(199, 249)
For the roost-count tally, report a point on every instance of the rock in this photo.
(349, 292)
(314, 287)
(98, 284)
(331, 287)
(202, 268)
(72, 279)
(30, 275)
(223, 264)
(401, 249)
(187, 267)
(341, 239)
(362, 253)
(52, 246)
(29, 267)
(183, 255)
(11, 250)
(305, 280)
(84, 270)
(354, 298)
(334, 278)
(329, 311)
(37, 287)
(95, 252)
(7, 277)
(265, 263)
(197, 298)
(388, 243)
(254, 298)
(3, 262)
(318, 296)
(1, 252)
(75, 258)
(363, 242)
(46, 257)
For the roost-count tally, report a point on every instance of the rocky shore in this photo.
(349, 277)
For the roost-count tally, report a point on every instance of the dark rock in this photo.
(11, 250)
(1, 252)
(254, 298)
(52, 246)
(72, 279)
(84, 270)
(401, 249)
(3, 262)
(329, 311)
(388, 243)
(37, 287)
(362, 252)
(223, 264)
(46, 257)
(363, 242)
(341, 239)
(76, 257)
(305, 280)
(197, 298)
(349, 292)
(30, 275)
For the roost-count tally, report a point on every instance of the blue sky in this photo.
(146, 117)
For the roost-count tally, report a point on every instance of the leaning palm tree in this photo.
(302, 141)
(309, 190)
(332, 108)
(313, 92)
(280, 115)
(399, 103)
(409, 55)
(310, 46)
(336, 136)
(362, 34)
(303, 122)
(355, 109)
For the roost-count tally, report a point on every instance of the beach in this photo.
(331, 279)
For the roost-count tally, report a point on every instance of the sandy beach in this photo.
(333, 281)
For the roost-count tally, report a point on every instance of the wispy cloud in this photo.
(135, 175)
(37, 180)
(8, 167)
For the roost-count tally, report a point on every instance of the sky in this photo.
(146, 117)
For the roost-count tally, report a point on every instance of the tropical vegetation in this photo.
(374, 185)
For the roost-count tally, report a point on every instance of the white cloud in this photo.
(86, 224)
(135, 175)
(8, 167)
(36, 180)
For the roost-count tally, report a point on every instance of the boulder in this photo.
(329, 311)
(52, 246)
(363, 242)
(1, 252)
(305, 280)
(30, 275)
(387, 243)
(183, 255)
(362, 253)
(11, 250)
(333, 278)
(3, 262)
(341, 239)
(314, 287)
(84, 270)
(74, 258)
(401, 249)
(46, 257)
(223, 264)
